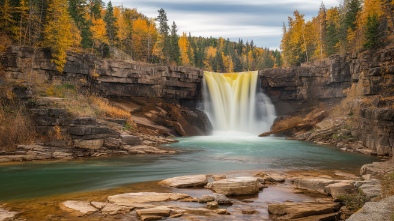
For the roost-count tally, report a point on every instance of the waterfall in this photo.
(235, 102)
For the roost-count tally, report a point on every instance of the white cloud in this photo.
(257, 20)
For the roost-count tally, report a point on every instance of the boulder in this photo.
(89, 144)
(206, 198)
(161, 211)
(294, 210)
(222, 212)
(185, 181)
(113, 209)
(78, 208)
(222, 199)
(236, 186)
(272, 177)
(372, 211)
(341, 188)
(313, 184)
(212, 205)
(132, 199)
(371, 188)
(130, 140)
(7, 215)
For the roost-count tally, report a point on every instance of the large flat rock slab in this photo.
(185, 181)
(313, 184)
(294, 210)
(78, 208)
(132, 199)
(236, 186)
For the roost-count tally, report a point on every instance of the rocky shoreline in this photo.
(310, 196)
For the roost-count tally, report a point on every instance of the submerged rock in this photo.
(78, 208)
(6, 215)
(236, 186)
(161, 211)
(185, 181)
(132, 199)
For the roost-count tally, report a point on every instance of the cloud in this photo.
(257, 20)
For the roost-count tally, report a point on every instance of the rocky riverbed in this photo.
(248, 195)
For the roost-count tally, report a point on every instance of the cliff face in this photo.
(359, 87)
(108, 77)
(161, 100)
(292, 88)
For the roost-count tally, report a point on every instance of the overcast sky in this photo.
(257, 20)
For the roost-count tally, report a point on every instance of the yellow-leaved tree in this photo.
(184, 46)
(58, 32)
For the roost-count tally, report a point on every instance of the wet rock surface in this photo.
(185, 181)
(236, 186)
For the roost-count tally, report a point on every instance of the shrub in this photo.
(388, 184)
(354, 201)
(16, 127)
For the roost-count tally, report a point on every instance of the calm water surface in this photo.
(213, 154)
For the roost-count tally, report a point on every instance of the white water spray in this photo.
(234, 102)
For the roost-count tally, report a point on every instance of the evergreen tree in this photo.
(78, 10)
(110, 21)
(95, 8)
(164, 35)
(174, 46)
(372, 32)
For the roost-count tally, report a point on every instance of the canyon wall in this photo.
(361, 85)
(365, 81)
(107, 77)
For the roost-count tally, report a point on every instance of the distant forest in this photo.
(353, 26)
(90, 26)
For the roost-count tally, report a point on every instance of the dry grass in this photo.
(82, 105)
(388, 184)
(16, 127)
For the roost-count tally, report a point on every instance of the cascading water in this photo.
(235, 102)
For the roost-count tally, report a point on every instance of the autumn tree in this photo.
(184, 48)
(332, 30)
(57, 32)
(6, 19)
(293, 43)
(144, 36)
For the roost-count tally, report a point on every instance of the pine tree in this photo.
(110, 22)
(372, 32)
(95, 8)
(174, 49)
(164, 35)
(78, 10)
(57, 33)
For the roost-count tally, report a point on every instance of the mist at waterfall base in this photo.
(235, 104)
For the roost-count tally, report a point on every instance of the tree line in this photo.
(95, 27)
(353, 26)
